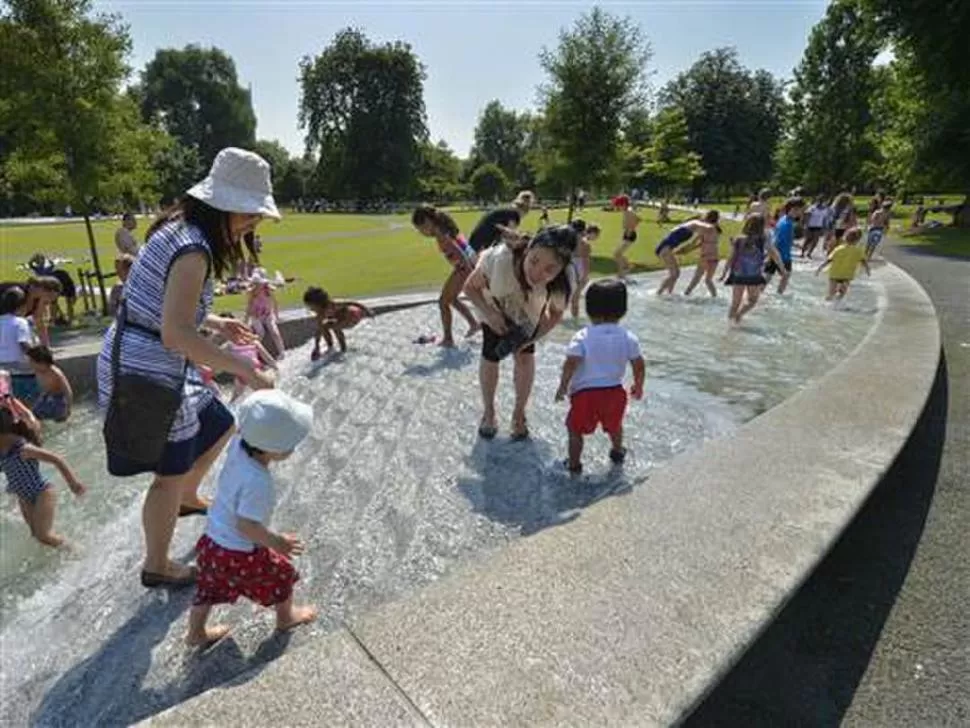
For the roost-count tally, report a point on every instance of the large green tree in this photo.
(733, 115)
(439, 175)
(68, 127)
(489, 182)
(597, 74)
(669, 162)
(194, 94)
(931, 38)
(501, 137)
(827, 144)
(362, 108)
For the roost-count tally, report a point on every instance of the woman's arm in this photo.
(476, 288)
(551, 316)
(179, 330)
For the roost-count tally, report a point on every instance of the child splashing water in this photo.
(844, 262)
(263, 312)
(710, 256)
(592, 374)
(630, 222)
(667, 250)
(745, 268)
(333, 318)
(19, 457)
(239, 556)
(432, 222)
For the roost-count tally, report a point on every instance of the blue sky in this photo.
(473, 51)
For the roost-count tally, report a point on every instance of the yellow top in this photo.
(845, 260)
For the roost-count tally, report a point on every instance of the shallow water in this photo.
(391, 490)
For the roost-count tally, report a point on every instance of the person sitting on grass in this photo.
(592, 374)
(333, 318)
(844, 261)
(238, 555)
(56, 396)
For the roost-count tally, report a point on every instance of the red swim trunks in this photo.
(263, 576)
(590, 408)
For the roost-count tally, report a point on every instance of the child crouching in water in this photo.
(844, 261)
(593, 373)
(239, 556)
(56, 396)
(333, 317)
(19, 457)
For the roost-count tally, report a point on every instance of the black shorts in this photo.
(68, 289)
(771, 267)
(734, 280)
(839, 232)
(630, 236)
(491, 351)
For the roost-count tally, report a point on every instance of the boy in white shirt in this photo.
(16, 337)
(239, 555)
(593, 373)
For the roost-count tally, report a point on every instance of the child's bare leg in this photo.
(327, 336)
(341, 340)
(736, 294)
(199, 634)
(622, 265)
(616, 440)
(709, 278)
(40, 518)
(833, 289)
(288, 616)
(753, 293)
(575, 451)
(448, 298)
(783, 283)
(698, 274)
(843, 289)
(277, 338)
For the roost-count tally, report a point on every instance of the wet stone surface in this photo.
(391, 490)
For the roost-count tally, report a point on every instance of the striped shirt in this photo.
(142, 351)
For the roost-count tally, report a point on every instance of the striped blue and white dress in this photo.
(142, 351)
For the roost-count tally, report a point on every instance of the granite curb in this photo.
(632, 613)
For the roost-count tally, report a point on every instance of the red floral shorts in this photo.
(592, 408)
(263, 576)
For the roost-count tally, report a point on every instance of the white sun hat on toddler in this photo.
(239, 181)
(272, 421)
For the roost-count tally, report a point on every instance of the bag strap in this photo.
(121, 322)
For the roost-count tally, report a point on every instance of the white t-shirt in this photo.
(125, 242)
(498, 265)
(817, 215)
(605, 349)
(14, 331)
(245, 490)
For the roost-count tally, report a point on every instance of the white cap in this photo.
(239, 181)
(272, 421)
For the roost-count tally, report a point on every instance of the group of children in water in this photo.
(501, 270)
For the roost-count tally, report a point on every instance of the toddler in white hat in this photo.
(239, 555)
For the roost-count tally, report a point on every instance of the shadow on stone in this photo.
(806, 667)
(109, 688)
(445, 360)
(517, 484)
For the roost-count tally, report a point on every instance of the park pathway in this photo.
(878, 636)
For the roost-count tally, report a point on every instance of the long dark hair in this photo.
(444, 222)
(11, 426)
(562, 240)
(213, 223)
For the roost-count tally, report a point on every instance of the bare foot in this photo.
(207, 636)
(297, 616)
(447, 343)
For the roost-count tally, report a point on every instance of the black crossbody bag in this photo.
(141, 410)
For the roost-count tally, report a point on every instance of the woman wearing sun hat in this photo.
(167, 299)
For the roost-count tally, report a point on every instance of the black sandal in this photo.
(618, 456)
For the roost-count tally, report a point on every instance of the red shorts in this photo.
(590, 408)
(263, 576)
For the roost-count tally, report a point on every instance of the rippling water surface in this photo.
(391, 490)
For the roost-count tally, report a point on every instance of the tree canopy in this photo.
(362, 108)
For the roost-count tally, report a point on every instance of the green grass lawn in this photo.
(947, 241)
(349, 255)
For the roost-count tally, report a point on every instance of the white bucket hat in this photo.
(239, 181)
(272, 421)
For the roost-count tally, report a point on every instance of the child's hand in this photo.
(77, 488)
(636, 391)
(560, 394)
(289, 545)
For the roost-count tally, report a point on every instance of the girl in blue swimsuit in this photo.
(667, 250)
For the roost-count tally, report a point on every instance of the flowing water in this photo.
(391, 490)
